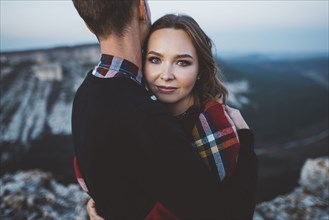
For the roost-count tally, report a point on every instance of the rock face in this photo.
(315, 177)
(38, 89)
(36, 195)
(308, 201)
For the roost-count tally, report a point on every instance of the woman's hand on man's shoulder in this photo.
(236, 117)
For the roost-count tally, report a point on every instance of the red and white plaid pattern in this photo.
(216, 140)
(78, 175)
(111, 66)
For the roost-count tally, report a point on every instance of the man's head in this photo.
(105, 17)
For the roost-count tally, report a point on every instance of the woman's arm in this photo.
(241, 188)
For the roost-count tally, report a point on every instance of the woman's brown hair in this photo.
(208, 87)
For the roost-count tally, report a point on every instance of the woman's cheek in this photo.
(150, 73)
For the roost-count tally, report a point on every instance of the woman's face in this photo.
(171, 68)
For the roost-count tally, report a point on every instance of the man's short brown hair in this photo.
(105, 17)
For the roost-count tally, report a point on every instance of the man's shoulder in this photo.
(109, 88)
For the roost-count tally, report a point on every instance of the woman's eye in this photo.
(183, 63)
(154, 60)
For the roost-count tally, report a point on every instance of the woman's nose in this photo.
(167, 73)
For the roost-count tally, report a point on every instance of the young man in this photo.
(135, 161)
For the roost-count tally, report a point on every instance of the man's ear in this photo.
(143, 11)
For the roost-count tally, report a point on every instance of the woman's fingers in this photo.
(236, 117)
(91, 210)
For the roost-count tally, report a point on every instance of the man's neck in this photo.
(127, 47)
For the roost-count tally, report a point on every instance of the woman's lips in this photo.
(166, 89)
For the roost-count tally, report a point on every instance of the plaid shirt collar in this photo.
(111, 66)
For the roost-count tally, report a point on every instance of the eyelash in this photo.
(156, 60)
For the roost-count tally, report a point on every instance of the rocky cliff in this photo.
(37, 90)
(308, 201)
(35, 194)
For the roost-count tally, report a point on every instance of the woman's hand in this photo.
(236, 117)
(91, 210)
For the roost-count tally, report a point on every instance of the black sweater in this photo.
(133, 153)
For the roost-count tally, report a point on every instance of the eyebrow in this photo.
(176, 57)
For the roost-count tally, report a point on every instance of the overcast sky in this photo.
(234, 26)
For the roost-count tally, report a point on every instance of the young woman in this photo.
(181, 72)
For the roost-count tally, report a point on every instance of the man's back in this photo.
(103, 123)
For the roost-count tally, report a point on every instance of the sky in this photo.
(262, 26)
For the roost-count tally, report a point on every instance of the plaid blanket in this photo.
(216, 140)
